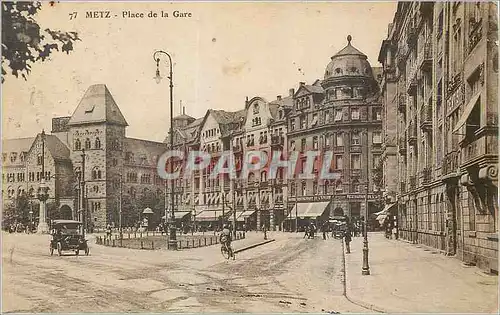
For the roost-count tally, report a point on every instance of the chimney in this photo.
(291, 92)
(302, 83)
(278, 97)
(246, 102)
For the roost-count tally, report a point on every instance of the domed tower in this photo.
(349, 75)
(351, 96)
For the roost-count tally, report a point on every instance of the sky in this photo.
(223, 53)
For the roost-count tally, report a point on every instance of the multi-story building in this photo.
(340, 114)
(95, 132)
(441, 73)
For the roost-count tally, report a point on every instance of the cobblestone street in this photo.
(288, 275)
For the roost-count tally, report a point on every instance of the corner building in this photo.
(340, 114)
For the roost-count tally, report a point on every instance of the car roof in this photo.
(65, 222)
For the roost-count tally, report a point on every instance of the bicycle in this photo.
(226, 251)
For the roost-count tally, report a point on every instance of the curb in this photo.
(348, 293)
(253, 246)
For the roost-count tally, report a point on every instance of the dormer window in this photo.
(22, 156)
(78, 144)
(97, 143)
(13, 157)
(90, 110)
(256, 108)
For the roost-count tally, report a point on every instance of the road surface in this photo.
(289, 275)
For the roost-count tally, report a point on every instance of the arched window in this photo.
(97, 143)
(78, 144)
(325, 187)
(87, 144)
(96, 173)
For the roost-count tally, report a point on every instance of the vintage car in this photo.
(66, 236)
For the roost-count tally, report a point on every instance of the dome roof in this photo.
(349, 62)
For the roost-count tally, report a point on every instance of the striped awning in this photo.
(308, 210)
(209, 215)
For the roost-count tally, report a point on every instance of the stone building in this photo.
(95, 132)
(441, 74)
(340, 114)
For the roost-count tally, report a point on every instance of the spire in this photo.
(183, 110)
(349, 38)
(180, 107)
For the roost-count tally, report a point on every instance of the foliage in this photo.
(23, 41)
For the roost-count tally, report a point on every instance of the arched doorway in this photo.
(66, 213)
(338, 212)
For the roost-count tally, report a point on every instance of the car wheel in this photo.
(59, 248)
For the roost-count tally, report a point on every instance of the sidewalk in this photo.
(406, 278)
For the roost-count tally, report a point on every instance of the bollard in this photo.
(199, 242)
(180, 245)
(193, 242)
(121, 242)
(135, 234)
(141, 234)
(128, 235)
(142, 244)
(146, 233)
(205, 241)
(210, 240)
(113, 243)
(152, 244)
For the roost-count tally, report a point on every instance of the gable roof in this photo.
(58, 150)
(17, 145)
(310, 88)
(97, 105)
(149, 149)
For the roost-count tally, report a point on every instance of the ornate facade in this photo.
(441, 74)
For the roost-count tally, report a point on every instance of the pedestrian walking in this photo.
(348, 237)
(325, 230)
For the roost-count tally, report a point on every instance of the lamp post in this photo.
(172, 241)
(366, 268)
(43, 193)
(120, 207)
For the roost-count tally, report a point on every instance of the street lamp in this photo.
(172, 241)
(366, 268)
(43, 193)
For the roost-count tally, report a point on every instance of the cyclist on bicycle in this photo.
(226, 239)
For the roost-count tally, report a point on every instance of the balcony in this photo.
(277, 140)
(426, 117)
(411, 36)
(450, 164)
(476, 32)
(355, 148)
(402, 144)
(402, 103)
(338, 149)
(402, 187)
(483, 149)
(413, 183)
(412, 85)
(412, 134)
(426, 58)
(426, 176)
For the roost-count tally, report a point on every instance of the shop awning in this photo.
(208, 215)
(308, 210)
(468, 109)
(178, 214)
(386, 209)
